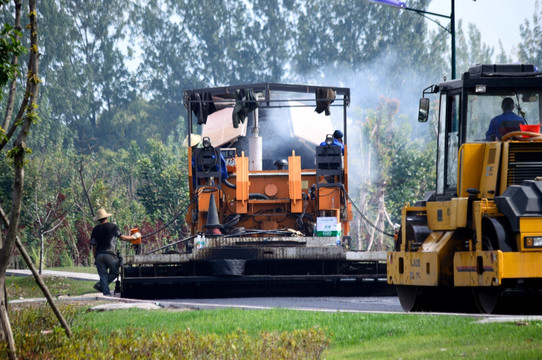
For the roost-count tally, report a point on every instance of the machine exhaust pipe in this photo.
(255, 146)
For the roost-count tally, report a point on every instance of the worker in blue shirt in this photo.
(504, 123)
(337, 140)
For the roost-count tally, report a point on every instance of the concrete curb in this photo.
(114, 302)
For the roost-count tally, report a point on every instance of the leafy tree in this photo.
(46, 204)
(314, 44)
(163, 185)
(136, 122)
(169, 56)
(502, 56)
(271, 52)
(219, 38)
(395, 170)
(350, 35)
(85, 73)
(530, 49)
(104, 179)
(471, 51)
(6, 182)
(19, 130)
(101, 178)
(47, 136)
(9, 37)
(438, 54)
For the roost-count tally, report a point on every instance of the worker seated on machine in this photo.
(336, 140)
(506, 122)
(207, 162)
(329, 157)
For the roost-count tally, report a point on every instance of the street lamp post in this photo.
(402, 5)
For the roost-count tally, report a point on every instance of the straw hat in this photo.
(194, 140)
(101, 214)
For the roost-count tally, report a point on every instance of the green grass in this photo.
(244, 333)
(78, 269)
(353, 336)
(26, 287)
(38, 336)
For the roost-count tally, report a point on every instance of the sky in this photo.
(496, 19)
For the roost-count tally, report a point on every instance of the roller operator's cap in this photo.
(194, 140)
(101, 214)
(337, 134)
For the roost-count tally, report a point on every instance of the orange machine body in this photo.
(306, 184)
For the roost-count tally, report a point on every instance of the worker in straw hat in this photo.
(103, 241)
(195, 140)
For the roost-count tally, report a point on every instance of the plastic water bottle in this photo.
(198, 242)
(338, 241)
(203, 240)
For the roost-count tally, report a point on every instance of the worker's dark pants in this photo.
(105, 262)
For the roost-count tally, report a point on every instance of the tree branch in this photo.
(14, 62)
(39, 281)
(54, 227)
(80, 170)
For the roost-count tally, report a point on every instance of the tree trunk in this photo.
(7, 333)
(42, 249)
(373, 232)
(17, 155)
(44, 288)
(9, 244)
(73, 242)
(381, 216)
(85, 188)
(359, 229)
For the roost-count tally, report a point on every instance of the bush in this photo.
(38, 337)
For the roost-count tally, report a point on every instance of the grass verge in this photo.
(275, 334)
(351, 336)
(78, 269)
(242, 334)
(25, 287)
(37, 337)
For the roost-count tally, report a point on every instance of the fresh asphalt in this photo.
(383, 304)
(347, 304)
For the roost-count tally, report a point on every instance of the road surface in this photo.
(385, 304)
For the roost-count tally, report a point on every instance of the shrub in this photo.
(38, 337)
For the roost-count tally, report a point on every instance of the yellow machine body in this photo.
(481, 229)
(448, 258)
